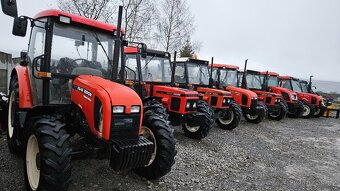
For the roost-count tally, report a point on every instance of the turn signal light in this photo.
(44, 75)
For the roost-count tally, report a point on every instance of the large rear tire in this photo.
(201, 131)
(280, 114)
(229, 119)
(320, 111)
(308, 110)
(157, 130)
(259, 117)
(47, 163)
(14, 140)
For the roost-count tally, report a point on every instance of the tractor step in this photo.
(130, 154)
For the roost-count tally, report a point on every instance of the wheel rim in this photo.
(275, 115)
(33, 162)
(225, 117)
(11, 112)
(192, 129)
(252, 117)
(306, 110)
(148, 134)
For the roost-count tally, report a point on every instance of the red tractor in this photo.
(277, 109)
(225, 76)
(69, 84)
(270, 82)
(152, 71)
(194, 74)
(313, 104)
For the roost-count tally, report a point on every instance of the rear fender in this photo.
(25, 95)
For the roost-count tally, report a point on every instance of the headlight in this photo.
(277, 100)
(194, 105)
(118, 109)
(224, 100)
(294, 97)
(187, 105)
(135, 109)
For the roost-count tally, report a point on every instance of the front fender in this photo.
(25, 94)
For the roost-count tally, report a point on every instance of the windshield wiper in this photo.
(101, 45)
(149, 61)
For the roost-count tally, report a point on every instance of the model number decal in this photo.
(83, 90)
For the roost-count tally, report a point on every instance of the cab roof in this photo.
(135, 50)
(270, 73)
(77, 19)
(228, 66)
(285, 77)
(192, 60)
(131, 50)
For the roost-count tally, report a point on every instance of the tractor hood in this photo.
(265, 93)
(275, 88)
(175, 91)
(119, 94)
(236, 90)
(213, 91)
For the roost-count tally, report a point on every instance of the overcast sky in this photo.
(292, 37)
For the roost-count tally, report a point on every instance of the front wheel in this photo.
(308, 110)
(279, 114)
(156, 129)
(296, 110)
(47, 163)
(320, 111)
(259, 117)
(202, 130)
(229, 119)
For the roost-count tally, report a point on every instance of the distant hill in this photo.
(327, 86)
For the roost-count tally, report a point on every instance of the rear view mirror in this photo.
(9, 7)
(19, 26)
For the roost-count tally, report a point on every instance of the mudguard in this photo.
(25, 95)
(95, 96)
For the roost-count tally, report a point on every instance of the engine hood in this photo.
(213, 91)
(241, 90)
(175, 91)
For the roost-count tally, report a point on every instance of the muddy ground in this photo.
(294, 154)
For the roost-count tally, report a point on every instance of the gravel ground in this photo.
(294, 154)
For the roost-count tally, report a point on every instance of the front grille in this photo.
(124, 127)
(268, 99)
(253, 103)
(244, 99)
(175, 104)
(285, 96)
(127, 155)
(213, 100)
(191, 102)
(313, 100)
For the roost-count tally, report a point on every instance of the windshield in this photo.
(296, 86)
(304, 87)
(198, 73)
(156, 69)
(273, 81)
(253, 81)
(228, 77)
(131, 64)
(81, 51)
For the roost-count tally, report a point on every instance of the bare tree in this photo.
(139, 17)
(102, 10)
(175, 25)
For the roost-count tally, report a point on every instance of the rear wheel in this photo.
(201, 131)
(14, 141)
(280, 113)
(156, 129)
(260, 114)
(229, 119)
(47, 163)
(320, 111)
(308, 110)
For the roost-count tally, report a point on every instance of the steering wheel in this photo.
(80, 59)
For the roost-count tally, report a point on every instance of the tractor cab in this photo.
(228, 77)
(153, 76)
(253, 81)
(314, 105)
(195, 74)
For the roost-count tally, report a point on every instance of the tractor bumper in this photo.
(130, 154)
(195, 119)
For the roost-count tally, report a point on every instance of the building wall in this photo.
(6, 66)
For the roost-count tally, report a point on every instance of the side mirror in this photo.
(144, 48)
(314, 87)
(9, 7)
(23, 57)
(19, 26)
